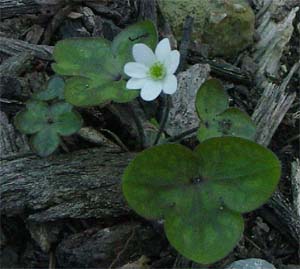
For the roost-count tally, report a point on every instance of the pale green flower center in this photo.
(157, 71)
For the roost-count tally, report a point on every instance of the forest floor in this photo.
(31, 238)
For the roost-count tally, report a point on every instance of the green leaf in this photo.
(59, 108)
(84, 92)
(201, 194)
(47, 123)
(68, 123)
(45, 141)
(54, 89)
(84, 57)
(215, 116)
(247, 173)
(96, 66)
(141, 32)
(33, 118)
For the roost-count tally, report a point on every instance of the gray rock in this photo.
(251, 264)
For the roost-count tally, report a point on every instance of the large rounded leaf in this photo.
(216, 119)
(45, 141)
(201, 194)
(33, 119)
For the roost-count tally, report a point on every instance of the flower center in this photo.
(157, 71)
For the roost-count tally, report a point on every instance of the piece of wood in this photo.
(83, 184)
(13, 47)
(275, 100)
(148, 10)
(110, 247)
(272, 107)
(14, 8)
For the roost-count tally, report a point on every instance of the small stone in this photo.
(251, 264)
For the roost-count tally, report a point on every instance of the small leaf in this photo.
(59, 108)
(201, 194)
(45, 141)
(215, 116)
(54, 89)
(33, 119)
(141, 32)
(68, 123)
(211, 99)
(232, 122)
(65, 120)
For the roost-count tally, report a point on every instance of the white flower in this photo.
(153, 73)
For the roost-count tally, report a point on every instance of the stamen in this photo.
(157, 71)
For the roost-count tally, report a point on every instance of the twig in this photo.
(182, 135)
(55, 23)
(147, 10)
(52, 260)
(186, 36)
(185, 41)
(124, 248)
(139, 126)
(116, 138)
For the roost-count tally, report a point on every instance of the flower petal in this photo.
(151, 90)
(143, 54)
(136, 70)
(163, 49)
(170, 84)
(172, 61)
(135, 83)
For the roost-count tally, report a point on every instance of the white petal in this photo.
(163, 49)
(170, 84)
(135, 83)
(143, 54)
(151, 90)
(136, 70)
(172, 61)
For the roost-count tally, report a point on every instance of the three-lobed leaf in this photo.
(95, 65)
(216, 118)
(46, 124)
(202, 194)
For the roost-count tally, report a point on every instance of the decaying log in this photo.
(13, 47)
(109, 247)
(272, 107)
(14, 8)
(83, 184)
(148, 10)
(295, 180)
(275, 100)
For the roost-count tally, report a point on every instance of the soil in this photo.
(262, 238)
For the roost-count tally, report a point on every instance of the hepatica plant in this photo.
(201, 194)
(47, 122)
(216, 118)
(94, 67)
